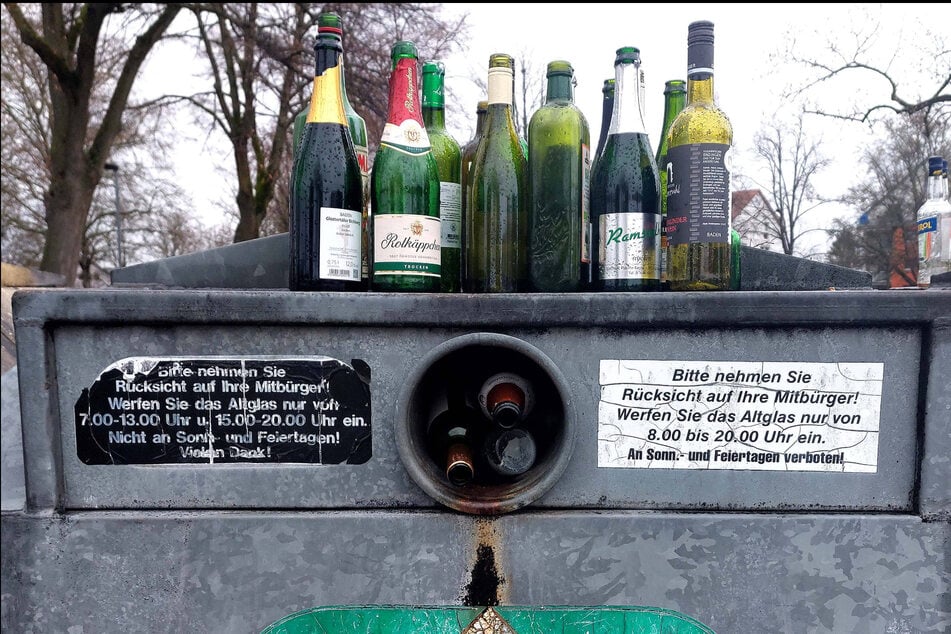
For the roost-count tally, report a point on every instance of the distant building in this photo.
(752, 214)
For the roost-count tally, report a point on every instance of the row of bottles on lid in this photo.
(505, 214)
(483, 435)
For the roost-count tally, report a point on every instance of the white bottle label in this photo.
(406, 244)
(340, 242)
(629, 247)
(450, 214)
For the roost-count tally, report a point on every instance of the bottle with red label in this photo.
(404, 189)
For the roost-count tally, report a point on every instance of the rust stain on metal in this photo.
(485, 582)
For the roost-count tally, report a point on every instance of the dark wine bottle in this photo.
(326, 188)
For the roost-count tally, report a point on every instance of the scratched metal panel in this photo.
(82, 352)
(238, 572)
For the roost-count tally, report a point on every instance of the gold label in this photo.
(326, 104)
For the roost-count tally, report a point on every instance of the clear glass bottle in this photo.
(559, 173)
(326, 190)
(496, 214)
(698, 172)
(934, 225)
(510, 452)
(625, 192)
(675, 98)
(404, 189)
(449, 163)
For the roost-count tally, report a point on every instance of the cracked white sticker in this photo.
(764, 416)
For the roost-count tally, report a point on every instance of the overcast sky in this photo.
(750, 75)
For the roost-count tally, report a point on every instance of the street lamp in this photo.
(112, 167)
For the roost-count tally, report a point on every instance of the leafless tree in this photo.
(261, 65)
(889, 197)
(865, 59)
(792, 160)
(86, 50)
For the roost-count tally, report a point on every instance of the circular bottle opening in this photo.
(490, 481)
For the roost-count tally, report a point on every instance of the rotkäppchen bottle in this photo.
(404, 189)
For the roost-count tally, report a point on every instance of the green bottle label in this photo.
(698, 194)
(406, 244)
(629, 246)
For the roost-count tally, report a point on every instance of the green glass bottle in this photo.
(330, 25)
(559, 172)
(468, 156)
(607, 107)
(625, 192)
(675, 98)
(736, 248)
(496, 216)
(449, 163)
(326, 191)
(404, 189)
(698, 173)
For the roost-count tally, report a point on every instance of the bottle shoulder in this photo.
(701, 123)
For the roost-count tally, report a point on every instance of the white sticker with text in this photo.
(765, 416)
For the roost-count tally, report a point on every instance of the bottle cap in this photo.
(329, 23)
(700, 32)
(403, 49)
(560, 67)
(433, 73)
(501, 60)
(935, 165)
(608, 87)
(627, 55)
(675, 85)
(482, 107)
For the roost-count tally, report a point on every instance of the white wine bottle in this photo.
(698, 178)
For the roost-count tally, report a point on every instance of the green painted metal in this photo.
(453, 620)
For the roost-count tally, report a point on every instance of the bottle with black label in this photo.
(698, 178)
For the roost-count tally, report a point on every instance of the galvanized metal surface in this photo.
(237, 572)
(391, 333)
(279, 538)
(263, 263)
